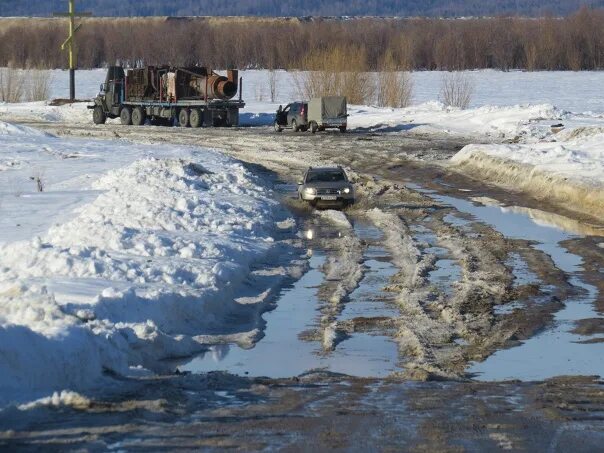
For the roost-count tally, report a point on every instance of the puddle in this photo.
(508, 308)
(522, 274)
(446, 270)
(288, 190)
(368, 299)
(282, 354)
(456, 220)
(445, 273)
(555, 351)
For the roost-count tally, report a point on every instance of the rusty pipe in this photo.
(218, 87)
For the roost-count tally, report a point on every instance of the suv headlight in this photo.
(310, 191)
(347, 190)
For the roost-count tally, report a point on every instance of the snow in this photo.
(131, 255)
(566, 168)
(500, 106)
(567, 90)
(580, 160)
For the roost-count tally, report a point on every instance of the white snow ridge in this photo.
(133, 277)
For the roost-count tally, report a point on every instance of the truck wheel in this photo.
(183, 118)
(195, 118)
(98, 115)
(342, 129)
(278, 128)
(294, 126)
(138, 116)
(126, 116)
(313, 127)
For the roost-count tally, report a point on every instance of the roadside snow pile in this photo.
(76, 113)
(491, 121)
(144, 270)
(569, 172)
(15, 129)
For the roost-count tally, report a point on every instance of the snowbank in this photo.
(489, 121)
(145, 266)
(76, 113)
(568, 172)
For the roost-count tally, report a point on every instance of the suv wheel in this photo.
(277, 127)
(295, 126)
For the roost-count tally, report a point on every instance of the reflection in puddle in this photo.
(549, 219)
(282, 354)
(556, 351)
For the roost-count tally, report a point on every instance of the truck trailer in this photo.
(192, 97)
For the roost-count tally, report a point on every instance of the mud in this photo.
(319, 411)
(461, 290)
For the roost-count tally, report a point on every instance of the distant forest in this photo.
(296, 8)
(575, 42)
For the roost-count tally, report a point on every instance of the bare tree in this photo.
(571, 42)
(337, 71)
(457, 89)
(38, 85)
(394, 87)
(12, 82)
(272, 84)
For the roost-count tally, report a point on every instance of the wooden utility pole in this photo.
(70, 43)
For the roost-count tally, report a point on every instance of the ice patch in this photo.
(58, 399)
(337, 217)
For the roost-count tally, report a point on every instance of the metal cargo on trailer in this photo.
(192, 96)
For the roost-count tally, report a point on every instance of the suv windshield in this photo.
(325, 176)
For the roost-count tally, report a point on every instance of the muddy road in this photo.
(415, 304)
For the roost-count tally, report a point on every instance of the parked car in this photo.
(326, 186)
(293, 116)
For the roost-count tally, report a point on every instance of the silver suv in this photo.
(326, 186)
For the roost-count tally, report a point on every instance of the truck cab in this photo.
(293, 116)
(108, 103)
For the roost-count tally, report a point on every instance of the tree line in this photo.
(401, 8)
(575, 42)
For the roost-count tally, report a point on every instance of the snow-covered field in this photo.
(571, 91)
(131, 254)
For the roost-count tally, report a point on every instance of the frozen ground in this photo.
(131, 254)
